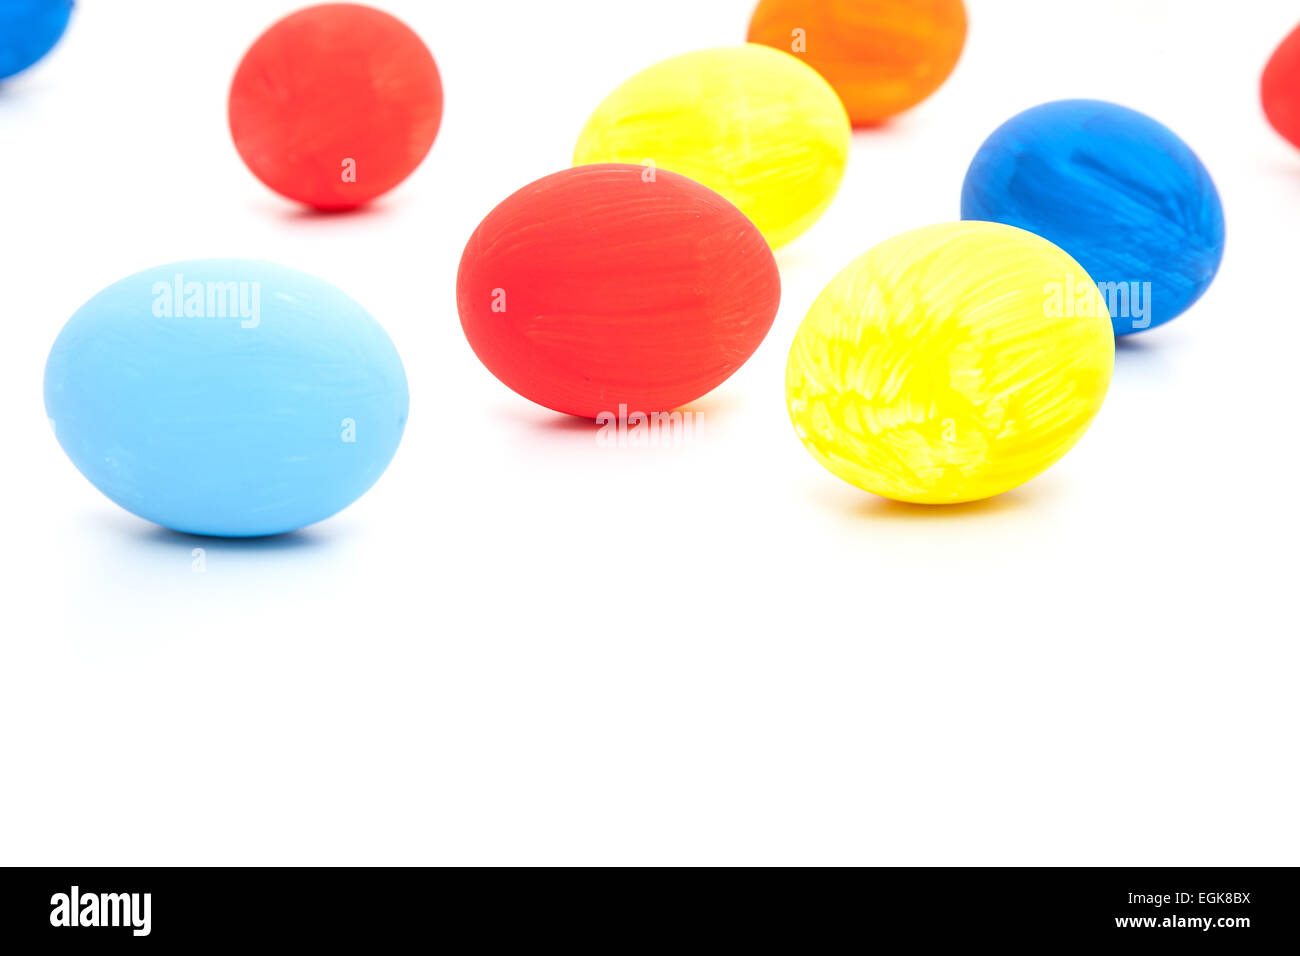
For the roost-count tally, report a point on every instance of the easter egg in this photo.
(751, 123)
(881, 56)
(1116, 190)
(1279, 88)
(612, 289)
(29, 29)
(335, 105)
(226, 396)
(950, 363)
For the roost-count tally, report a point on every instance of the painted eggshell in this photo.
(335, 105)
(226, 396)
(1279, 88)
(881, 56)
(749, 122)
(1116, 190)
(612, 286)
(29, 29)
(950, 363)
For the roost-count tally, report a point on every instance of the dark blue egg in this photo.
(28, 30)
(1118, 191)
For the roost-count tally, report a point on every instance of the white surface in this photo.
(522, 647)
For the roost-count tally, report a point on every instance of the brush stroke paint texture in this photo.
(751, 123)
(933, 369)
(335, 105)
(881, 56)
(608, 285)
(1119, 192)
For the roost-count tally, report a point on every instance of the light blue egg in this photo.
(1118, 191)
(226, 396)
(28, 30)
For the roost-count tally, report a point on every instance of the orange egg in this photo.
(881, 56)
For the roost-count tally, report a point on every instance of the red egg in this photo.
(616, 289)
(1280, 88)
(335, 105)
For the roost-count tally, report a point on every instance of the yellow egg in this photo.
(950, 363)
(752, 123)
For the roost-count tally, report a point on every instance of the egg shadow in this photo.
(865, 506)
(712, 405)
(1129, 348)
(21, 87)
(867, 130)
(304, 539)
(1286, 170)
(541, 421)
(155, 538)
(1140, 357)
(794, 258)
(560, 423)
(289, 211)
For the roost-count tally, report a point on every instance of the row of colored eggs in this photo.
(934, 368)
(881, 56)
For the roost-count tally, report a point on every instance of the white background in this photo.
(522, 647)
